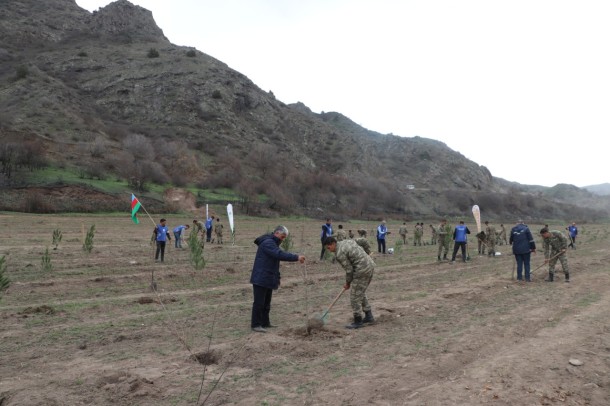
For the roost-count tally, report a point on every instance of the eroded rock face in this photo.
(122, 20)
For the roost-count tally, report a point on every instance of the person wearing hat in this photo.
(523, 245)
(382, 231)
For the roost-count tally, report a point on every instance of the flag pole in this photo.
(146, 211)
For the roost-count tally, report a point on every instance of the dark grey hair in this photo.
(281, 230)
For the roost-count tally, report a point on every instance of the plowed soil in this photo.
(91, 331)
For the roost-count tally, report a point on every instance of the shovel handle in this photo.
(333, 302)
(543, 264)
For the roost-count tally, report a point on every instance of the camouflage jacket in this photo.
(341, 235)
(218, 228)
(199, 226)
(555, 243)
(490, 232)
(402, 230)
(353, 259)
(445, 231)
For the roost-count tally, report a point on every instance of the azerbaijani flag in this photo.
(135, 206)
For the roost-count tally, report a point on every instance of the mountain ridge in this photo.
(107, 92)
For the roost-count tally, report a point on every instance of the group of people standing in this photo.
(161, 234)
(265, 277)
(359, 266)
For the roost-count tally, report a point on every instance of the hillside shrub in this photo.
(21, 72)
(152, 53)
(191, 53)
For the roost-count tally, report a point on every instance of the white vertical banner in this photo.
(207, 213)
(477, 217)
(231, 224)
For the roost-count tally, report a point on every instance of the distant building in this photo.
(410, 187)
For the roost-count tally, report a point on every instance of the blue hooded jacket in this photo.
(521, 239)
(266, 268)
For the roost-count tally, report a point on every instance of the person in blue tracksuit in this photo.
(460, 236)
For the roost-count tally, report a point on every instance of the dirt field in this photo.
(91, 331)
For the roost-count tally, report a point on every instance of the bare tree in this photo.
(262, 157)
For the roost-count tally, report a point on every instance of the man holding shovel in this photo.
(359, 268)
(555, 246)
(265, 276)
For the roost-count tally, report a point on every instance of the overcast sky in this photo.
(521, 86)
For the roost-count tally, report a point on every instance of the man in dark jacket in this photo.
(523, 245)
(265, 276)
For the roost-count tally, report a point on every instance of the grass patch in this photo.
(588, 300)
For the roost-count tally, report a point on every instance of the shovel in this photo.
(318, 322)
(544, 263)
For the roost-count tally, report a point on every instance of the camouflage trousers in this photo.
(417, 240)
(357, 296)
(443, 245)
(491, 246)
(433, 240)
(563, 259)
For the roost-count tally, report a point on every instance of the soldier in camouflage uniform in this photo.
(341, 234)
(402, 231)
(199, 227)
(434, 237)
(419, 231)
(218, 231)
(351, 234)
(445, 233)
(481, 242)
(555, 247)
(502, 236)
(490, 233)
(359, 268)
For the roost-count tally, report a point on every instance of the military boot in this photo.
(550, 278)
(439, 257)
(357, 323)
(567, 277)
(368, 317)
(445, 257)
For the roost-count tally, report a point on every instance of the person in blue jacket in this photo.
(382, 231)
(327, 231)
(209, 222)
(161, 235)
(461, 239)
(523, 245)
(573, 232)
(178, 234)
(265, 276)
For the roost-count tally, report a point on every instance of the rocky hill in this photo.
(106, 94)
